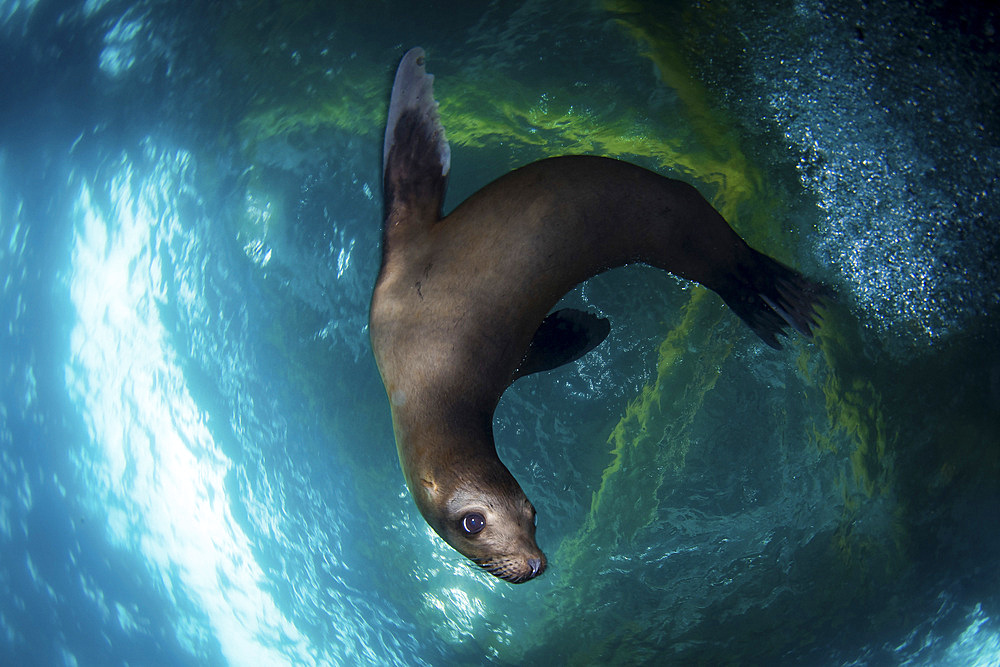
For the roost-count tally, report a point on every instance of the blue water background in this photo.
(196, 459)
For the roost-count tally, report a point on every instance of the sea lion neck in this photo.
(423, 427)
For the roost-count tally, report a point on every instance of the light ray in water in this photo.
(154, 466)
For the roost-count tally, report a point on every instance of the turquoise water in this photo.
(196, 457)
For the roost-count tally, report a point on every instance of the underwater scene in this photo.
(197, 461)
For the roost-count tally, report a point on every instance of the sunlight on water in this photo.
(257, 222)
(11, 7)
(461, 602)
(458, 610)
(978, 646)
(119, 53)
(155, 468)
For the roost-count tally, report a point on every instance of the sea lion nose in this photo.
(536, 565)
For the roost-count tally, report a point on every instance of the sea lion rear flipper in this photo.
(562, 337)
(416, 156)
(770, 297)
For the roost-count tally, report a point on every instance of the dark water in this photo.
(196, 459)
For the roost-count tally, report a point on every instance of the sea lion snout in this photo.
(514, 569)
(522, 564)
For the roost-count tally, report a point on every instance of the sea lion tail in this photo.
(416, 156)
(770, 297)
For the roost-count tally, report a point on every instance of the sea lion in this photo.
(461, 305)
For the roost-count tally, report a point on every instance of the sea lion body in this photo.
(461, 305)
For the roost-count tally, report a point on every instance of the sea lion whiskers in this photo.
(509, 569)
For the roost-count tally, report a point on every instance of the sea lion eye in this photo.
(473, 523)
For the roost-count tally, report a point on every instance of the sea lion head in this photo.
(483, 514)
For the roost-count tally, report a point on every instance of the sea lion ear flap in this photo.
(562, 337)
(427, 493)
(416, 157)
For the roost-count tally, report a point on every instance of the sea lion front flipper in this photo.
(416, 156)
(562, 337)
(770, 297)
